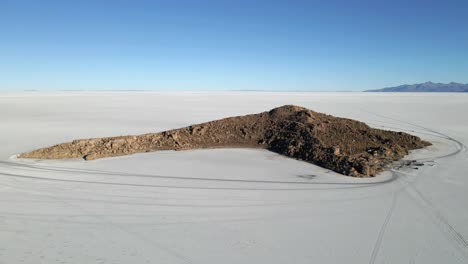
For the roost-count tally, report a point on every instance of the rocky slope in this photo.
(343, 145)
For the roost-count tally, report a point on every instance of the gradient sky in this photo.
(209, 45)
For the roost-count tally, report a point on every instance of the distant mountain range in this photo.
(427, 87)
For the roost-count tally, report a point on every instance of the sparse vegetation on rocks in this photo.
(343, 145)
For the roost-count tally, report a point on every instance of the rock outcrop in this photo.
(343, 145)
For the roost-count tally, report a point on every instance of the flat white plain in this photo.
(227, 205)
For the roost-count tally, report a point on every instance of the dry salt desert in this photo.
(227, 205)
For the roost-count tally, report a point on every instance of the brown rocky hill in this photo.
(343, 145)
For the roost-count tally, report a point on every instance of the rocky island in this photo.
(343, 145)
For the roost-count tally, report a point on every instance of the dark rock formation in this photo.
(343, 145)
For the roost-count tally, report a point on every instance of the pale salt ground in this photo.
(227, 205)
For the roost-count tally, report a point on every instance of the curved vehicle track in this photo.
(13, 174)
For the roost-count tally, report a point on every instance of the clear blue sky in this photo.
(209, 45)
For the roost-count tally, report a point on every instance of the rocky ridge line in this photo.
(343, 145)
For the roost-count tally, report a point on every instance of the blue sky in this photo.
(223, 45)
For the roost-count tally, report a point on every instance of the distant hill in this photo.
(427, 87)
